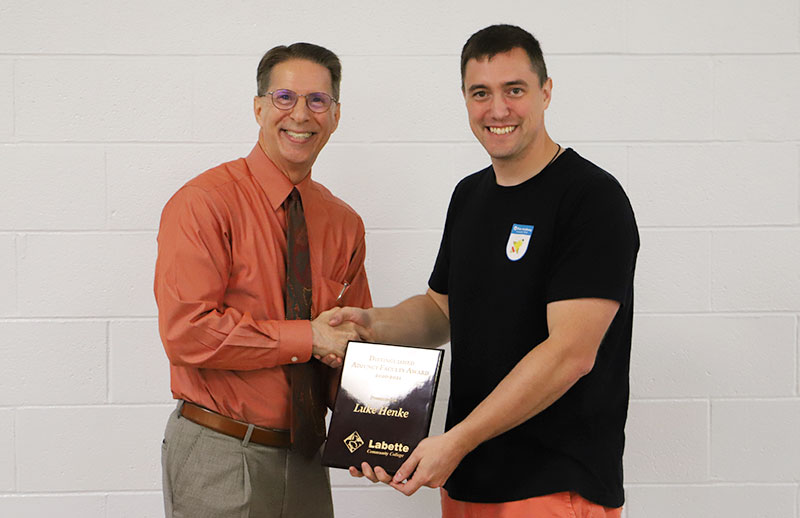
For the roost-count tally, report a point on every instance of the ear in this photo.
(257, 109)
(547, 92)
(336, 114)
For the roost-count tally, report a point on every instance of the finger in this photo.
(354, 472)
(407, 468)
(382, 475)
(366, 469)
(334, 362)
(408, 488)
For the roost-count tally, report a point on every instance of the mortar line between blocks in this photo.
(710, 280)
(709, 445)
(192, 104)
(725, 228)
(463, 143)
(97, 232)
(738, 313)
(388, 55)
(711, 484)
(628, 173)
(797, 34)
(14, 448)
(16, 272)
(797, 355)
(718, 399)
(625, 27)
(108, 361)
(714, 97)
(80, 492)
(798, 186)
(797, 500)
(107, 217)
(14, 99)
(63, 319)
(91, 406)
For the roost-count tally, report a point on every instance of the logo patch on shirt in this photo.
(518, 241)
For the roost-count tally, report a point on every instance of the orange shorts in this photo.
(567, 504)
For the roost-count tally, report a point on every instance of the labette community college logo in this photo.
(353, 442)
(518, 241)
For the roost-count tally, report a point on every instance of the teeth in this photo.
(294, 134)
(501, 131)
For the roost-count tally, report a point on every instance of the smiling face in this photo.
(293, 138)
(506, 104)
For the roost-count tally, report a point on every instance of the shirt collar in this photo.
(273, 182)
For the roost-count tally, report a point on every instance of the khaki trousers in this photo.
(210, 475)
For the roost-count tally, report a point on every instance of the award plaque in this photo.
(384, 405)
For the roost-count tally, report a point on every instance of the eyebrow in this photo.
(515, 82)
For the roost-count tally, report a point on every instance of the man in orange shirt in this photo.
(252, 255)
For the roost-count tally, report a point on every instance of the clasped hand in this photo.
(329, 338)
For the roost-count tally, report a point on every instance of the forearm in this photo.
(544, 375)
(416, 321)
(231, 340)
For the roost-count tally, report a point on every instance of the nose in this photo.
(498, 108)
(300, 111)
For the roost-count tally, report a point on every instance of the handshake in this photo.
(332, 329)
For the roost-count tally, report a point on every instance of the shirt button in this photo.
(294, 358)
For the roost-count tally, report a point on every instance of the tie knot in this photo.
(294, 196)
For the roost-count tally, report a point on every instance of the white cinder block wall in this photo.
(107, 107)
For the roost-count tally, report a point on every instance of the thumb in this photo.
(343, 314)
(335, 319)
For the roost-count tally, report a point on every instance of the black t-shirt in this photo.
(568, 232)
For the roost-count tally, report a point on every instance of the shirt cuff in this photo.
(295, 342)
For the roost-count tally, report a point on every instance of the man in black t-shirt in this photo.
(533, 286)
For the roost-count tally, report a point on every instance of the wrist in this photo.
(374, 325)
(464, 440)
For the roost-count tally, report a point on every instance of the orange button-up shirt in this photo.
(220, 283)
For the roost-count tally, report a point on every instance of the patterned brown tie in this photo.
(308, 410)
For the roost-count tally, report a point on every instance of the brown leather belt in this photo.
(225, 425)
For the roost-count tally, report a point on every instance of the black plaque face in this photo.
(384, 405)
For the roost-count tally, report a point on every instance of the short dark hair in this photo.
(496, 39)
(307, 51)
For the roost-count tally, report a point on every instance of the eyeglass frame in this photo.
(272, 99)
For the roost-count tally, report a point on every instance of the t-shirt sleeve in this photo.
(595, 252)
(441, 269)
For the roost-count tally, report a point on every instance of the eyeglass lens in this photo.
(317, 101)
